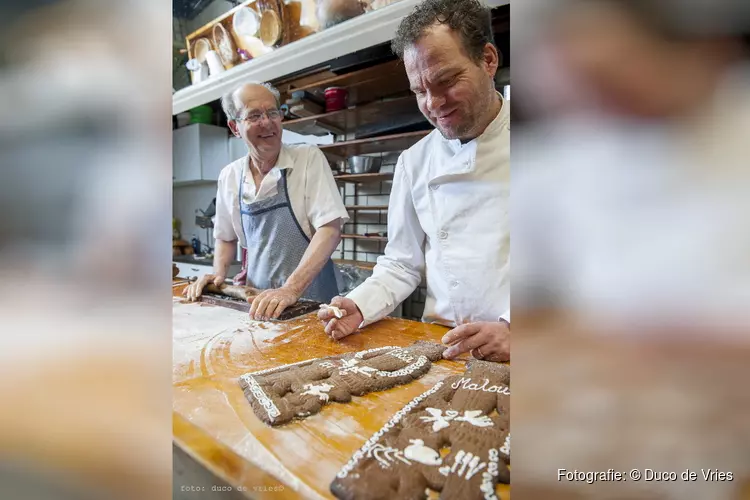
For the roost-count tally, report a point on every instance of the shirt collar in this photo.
(502, 118)
(284, 160)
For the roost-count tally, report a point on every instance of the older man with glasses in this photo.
(282, 203)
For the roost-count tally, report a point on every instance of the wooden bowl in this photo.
(270, 28)
(201, 48)
(225, 45)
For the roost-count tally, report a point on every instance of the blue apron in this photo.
(276, 243)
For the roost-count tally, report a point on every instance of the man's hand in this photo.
(489, 341)
(194, 291)
(269, 304)
(338, 328)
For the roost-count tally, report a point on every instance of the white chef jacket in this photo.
(447, 219)
(314, 196)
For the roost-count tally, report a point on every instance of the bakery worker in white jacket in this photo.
(448, 212)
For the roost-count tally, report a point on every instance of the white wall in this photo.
(185, 201)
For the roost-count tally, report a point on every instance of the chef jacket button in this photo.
(443, 235)
(454, 284)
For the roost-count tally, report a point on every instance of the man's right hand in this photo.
(338, 328)
(194, 291)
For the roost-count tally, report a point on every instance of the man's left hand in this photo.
(489, 341)
(269, 304)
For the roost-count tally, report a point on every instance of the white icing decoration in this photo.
(488, 484)
(362, 354)
(442, 421)
(465, 383)
(474, 419)
(282, 367)
(506, 446)
(385, 455)
(466, 465)
(359, 454)
(261, 396)
(328, 364)
(418, 452)
(407, 370)
(350, 366)
(445, 470)
(339, 313)
(320, 391)
(402, 355)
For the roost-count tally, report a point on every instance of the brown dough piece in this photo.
(301, 389)
(454, 439)
(238, 292)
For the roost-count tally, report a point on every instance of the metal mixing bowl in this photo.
(364, 164)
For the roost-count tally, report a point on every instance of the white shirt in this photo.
(312, 190)
(447, 219)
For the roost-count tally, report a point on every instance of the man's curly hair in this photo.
(471, 19)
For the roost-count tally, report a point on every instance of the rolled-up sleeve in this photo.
(223, 228)
(323, 202)
(399, 271)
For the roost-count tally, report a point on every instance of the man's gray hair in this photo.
(229, 105)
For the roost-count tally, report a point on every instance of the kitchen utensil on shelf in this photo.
(200, 49)
(183, 119)
(333, 12)
(364, 164)
(202, 114)
(246, 22)
(336, 98)
(270, 28)
(244, 55)
(198, 70)
(225, 45)
(215, 66)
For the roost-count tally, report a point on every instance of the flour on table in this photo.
(196, 326)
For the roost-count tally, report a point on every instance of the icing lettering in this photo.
(488, 483)
(466, 465)
(350, 366)
(506, 445)
(402, 355)
(465, 383)
(407, 370)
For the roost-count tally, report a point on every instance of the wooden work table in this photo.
(214, 424)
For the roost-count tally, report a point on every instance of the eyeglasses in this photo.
(272, 114)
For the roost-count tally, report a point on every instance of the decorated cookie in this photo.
(301, 389)
(453, 439)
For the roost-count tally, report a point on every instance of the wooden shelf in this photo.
(363, 237)
(363, 177)
(364, 85)
(356, 263)
(383, 144)
(402, 110)
(362, 208)
(373, 28)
